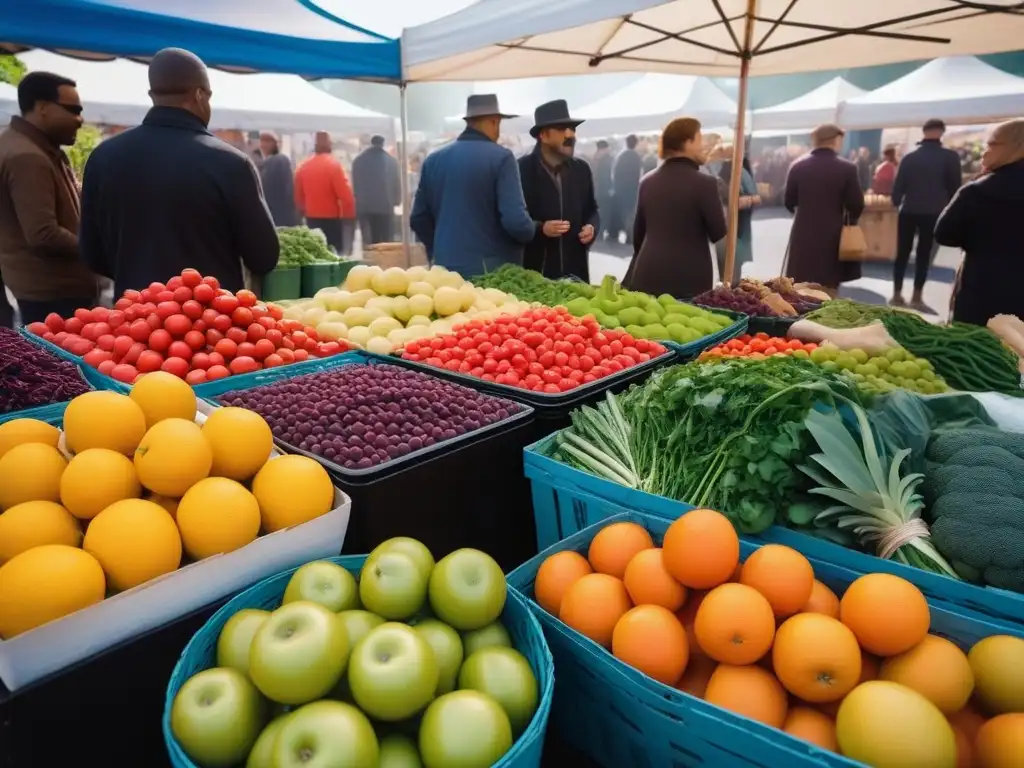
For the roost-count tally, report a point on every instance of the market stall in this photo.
(800, 115)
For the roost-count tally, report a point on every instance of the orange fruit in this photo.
(18, 431)
(615, 545)
(701, 549)
(734, 624)
(697, 674)
(968, 720)
(936, 669)
(241, 442)
(964, 749)
(163, 395)
(889, 615)
(649, 582)
(31, 472)
(34, 523)
(95, 479)
(822, 600)
(217, 515)
(172, 457)
(135, 541)
(782, 575)
(998, 665)
(811, 725)
(555, 575)
(593, 606)
(292, 490)
(651, 639)
(869, 666)
(816, 657)
(104, 419)
(749, 691)
(1000, 742)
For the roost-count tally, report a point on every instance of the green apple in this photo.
(326, 734)
(217, 716)
(397, 751)
(467, 589)
(415, 549)
(467, 729)
(325, 583)
(447, 647)
(393, 672)
(358, 625)
(299, 653)
(486, 637)
(236, 638)
(392, 585)
(262, 754)
(503, 674)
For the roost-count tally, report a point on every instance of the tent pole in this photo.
(403, 160)
(738, 144)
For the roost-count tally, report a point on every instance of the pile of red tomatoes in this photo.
(190, 327)
(543, 350)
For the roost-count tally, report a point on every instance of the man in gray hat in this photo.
(469, 211)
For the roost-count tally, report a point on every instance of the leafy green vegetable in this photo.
(527, 285)
(301, 246)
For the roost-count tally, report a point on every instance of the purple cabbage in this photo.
(30, 376)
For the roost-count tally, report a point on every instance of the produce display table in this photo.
(879, 225)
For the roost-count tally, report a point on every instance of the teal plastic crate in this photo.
(47, 413)
(618, 716)
(527, 636)
(567, 500)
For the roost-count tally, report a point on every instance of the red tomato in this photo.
(301, 355)
(193, 310)
(275, 311)
(244, 365)
(272, 361)
(134, 353)
(139, 330)
(73, 325)
(286, 354)
(246, 349)
(213, 282)
(175, 366)
(106, 367)
(106, 342)
(182, 294)
(195, 376)
(215, 372)
(216, 358)
(195, 339)
(89, 331)
(263, 348)
(204, 293)
(226, 347)
(222, 323)
(201, 360)
(241, 316)
(310, 345)
(174, 283)
(54, 322)
(125, 373)
(199, 325)
(160, 340)
(255, 331)
(275, 337)
(177, 325)
(210, 316)
(246, 298)
(225, 303)
(121, 346)
(287, 343)
(96, 356)
(311, 332)
(266, 321)
(213, 336)
(299, 338)
(83, 315)
(164, 296)
(179, 349)
(122, 304)
(613, 365)
(149, 361)
(191, 278)
(237, 335)
(132, 295)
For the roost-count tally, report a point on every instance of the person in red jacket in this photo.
(885, 173)
(324, 196)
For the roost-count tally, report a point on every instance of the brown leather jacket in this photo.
(39, 214)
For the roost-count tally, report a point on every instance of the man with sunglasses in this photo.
(168, 194)
(39, 202)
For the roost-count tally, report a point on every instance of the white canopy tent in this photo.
(8, 101)
(650, 102)
(958, 89)
(812, 108)
(493, 39)
(116, 93)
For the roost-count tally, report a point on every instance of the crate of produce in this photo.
(477, 460)
(283, 283)
(144, 562)
(692, 348)
(513, 740)
(95, 379)
(772, 306)
(724, 703)
(34, 379)
(321, 274)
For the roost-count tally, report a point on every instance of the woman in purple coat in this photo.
(823, 190)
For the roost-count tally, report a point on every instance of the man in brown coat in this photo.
(39, 202)
(823, 189)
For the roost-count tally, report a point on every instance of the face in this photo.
(560, 139)
(267, 146)
(62, 119)
(996, 151)
(697, 149)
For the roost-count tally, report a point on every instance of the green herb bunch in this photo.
(301, 246)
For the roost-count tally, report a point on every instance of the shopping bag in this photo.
(853, 246)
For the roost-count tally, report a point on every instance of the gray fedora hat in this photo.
(484, 105)
(553, 113)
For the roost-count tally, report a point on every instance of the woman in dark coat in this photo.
(678, 216)
(823, 190)
(984, 219)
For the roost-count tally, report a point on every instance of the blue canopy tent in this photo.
(293, 36)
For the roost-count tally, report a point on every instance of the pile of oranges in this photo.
(860, 675)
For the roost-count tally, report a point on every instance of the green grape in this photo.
(859, 355)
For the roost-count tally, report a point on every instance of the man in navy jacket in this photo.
(469, 211)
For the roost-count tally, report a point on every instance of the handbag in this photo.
(853, 246)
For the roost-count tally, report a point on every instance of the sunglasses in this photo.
(72, 109)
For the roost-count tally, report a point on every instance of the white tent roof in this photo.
(652, 101)
(813, 108)
(959, 89)
(496, 39)
(116, 93)
(8, 101)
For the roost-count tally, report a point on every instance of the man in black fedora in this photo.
(559, 192)
(469, 211)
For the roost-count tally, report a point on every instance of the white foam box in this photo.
(51, 647)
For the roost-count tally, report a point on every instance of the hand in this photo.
(587, 234)
(555, 228)
(755, 200)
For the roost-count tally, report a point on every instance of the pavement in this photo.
(771, 234)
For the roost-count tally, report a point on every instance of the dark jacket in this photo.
(469, 210)
(678, 216)
(927, 178)
(603, 175)
(626, 177)
(823, 190)
(279, 189)
(570, 199)
(168, 195)
(376, 182)
(984, 219)
(39, 212)
(650, 162)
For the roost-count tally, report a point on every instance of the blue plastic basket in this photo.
(527, 636)
(618, 716)
(567, 500)
(214, 389)
(93, 376)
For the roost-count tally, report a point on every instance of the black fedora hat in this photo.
(484, 105)
(552, 113)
